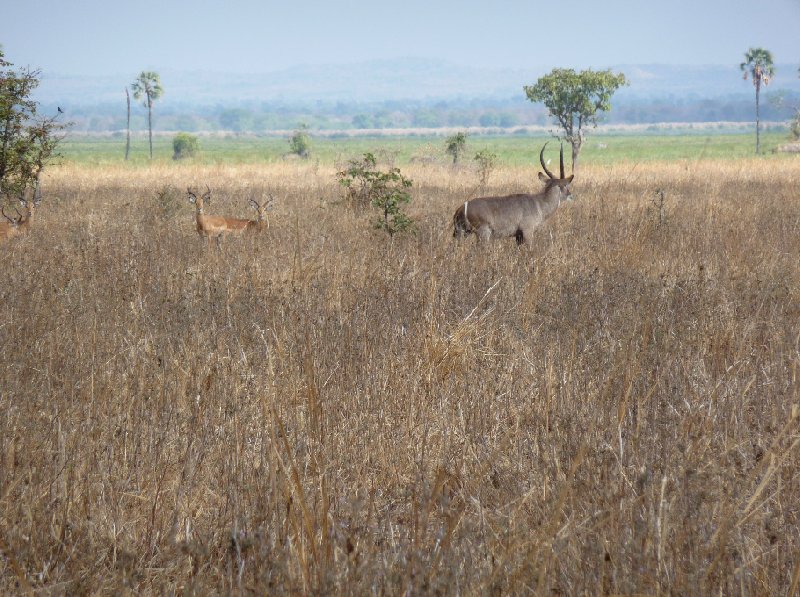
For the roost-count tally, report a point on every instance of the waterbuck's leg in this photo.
(519, 236)
(484, 232)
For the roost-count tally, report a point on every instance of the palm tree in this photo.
(148, 86)
(758, 64)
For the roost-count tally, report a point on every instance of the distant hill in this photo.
(384, 80)
(401, 94)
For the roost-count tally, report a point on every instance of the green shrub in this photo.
(300, 142)
(455, 146)
(487, 161)
(184, 145)
(386, 191)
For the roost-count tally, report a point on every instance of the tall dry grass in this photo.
(611, 410)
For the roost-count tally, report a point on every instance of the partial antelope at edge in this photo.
(514, 215)
(21, 224)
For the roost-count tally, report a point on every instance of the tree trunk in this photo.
(128, 137)
(150, 124)
(758, 118)
(576, 151)
(37, 188)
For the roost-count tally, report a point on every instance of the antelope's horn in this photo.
(541, 161)
(561, 161)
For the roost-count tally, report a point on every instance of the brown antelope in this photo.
(514, 215)
(219, 226)
(21, 224)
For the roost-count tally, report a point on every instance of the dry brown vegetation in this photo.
(612, 409)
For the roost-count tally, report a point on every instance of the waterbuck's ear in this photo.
(569, 179)
(543, 178)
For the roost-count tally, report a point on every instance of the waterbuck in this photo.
(514, 215)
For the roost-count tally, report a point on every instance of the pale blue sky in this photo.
(109, 37)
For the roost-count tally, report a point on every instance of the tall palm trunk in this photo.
(128, 137)
(758, 117)
(150, 123)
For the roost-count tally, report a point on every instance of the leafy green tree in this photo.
(455, 145)
(758, 64)
(300, 142)
(574, 100)
(147, 87)
(184, 145)
(386, 191)
(28, 141)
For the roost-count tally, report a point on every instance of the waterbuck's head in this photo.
(561, 185)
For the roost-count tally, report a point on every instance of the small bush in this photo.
(486, 161)
(455, 146)
(184, 145)
(300, 142)
(387, 191)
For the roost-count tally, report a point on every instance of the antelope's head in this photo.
(262, 209)
(28, 207)
(563, 184)
(199, 202)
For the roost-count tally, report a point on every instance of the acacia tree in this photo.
(574, 100)
(28, 141)
(758, 65)
(147, 87)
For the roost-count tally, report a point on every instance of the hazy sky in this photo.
(111, 37)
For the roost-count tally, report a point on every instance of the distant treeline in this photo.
(268, 116)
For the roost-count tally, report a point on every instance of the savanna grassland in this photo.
(613, 409)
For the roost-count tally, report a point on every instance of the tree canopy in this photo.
(28, 141)
(575, 99)
(147, 87)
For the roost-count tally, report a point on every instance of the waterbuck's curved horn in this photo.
(541, 161)
(561, 161)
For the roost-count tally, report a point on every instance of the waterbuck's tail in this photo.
(461, 225)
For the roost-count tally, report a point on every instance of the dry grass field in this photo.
(613, 409)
